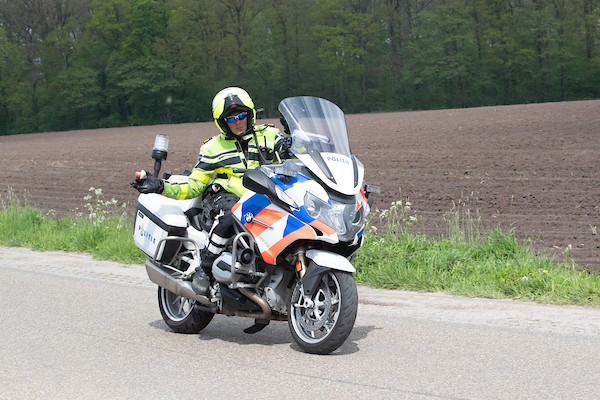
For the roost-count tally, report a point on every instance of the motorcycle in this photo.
(297, 228)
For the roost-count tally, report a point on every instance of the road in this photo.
(75, 328)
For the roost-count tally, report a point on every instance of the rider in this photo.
(240, 145)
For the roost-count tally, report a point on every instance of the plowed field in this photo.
(532, 168)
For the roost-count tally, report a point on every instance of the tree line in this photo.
(72, 64)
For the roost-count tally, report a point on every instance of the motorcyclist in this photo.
(240, 145)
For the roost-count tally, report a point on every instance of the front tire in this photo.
(180, 314)
(321, 324)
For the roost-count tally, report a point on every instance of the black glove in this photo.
(285, 153)
(286, 127)
(148, 184)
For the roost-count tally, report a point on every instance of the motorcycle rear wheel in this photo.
(180, 314)
(323, 326)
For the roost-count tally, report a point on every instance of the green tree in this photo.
(294, 44)
(78, 98)
(195, 51)
(83, 63)
(15, 107)
(45, 30)
(444, 56)
(349, 35)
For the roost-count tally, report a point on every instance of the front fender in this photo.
(330, 260)
(324, 261)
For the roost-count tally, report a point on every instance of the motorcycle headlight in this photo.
(315, 207)
(342, 217)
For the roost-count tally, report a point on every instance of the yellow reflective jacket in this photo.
(220, 157)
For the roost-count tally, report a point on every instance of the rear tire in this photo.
(324, 325)
(180, 314)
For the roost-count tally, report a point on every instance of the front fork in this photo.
(300, 265)
(309, 278)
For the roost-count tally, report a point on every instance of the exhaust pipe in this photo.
(165, 280)
(262, 303)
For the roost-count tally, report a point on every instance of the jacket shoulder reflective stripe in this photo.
(231, 162)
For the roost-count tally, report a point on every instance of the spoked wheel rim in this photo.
(314, 319)
(176, 307)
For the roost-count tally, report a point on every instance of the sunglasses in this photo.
(241, 116)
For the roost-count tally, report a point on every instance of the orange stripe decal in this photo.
(270, 217)
(303, 233)
(326, 229)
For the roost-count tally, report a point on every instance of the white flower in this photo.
(525, 278)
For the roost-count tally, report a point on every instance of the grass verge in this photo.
(99, 229)
(468, 263)
(464, 263)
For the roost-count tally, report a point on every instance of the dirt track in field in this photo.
(533, 168)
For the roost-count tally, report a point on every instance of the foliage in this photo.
(68, 64)
(101, 229)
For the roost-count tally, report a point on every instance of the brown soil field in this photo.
(531, 168)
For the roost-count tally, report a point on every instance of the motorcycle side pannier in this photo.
(150, 230)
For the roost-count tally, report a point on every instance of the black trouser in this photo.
(221, 231)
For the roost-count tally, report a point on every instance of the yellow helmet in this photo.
(229, 100)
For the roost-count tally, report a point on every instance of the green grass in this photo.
(463, 262)
(101, 231)
(466, 262)
(495, 266)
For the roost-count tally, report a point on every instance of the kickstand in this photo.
(259, 325)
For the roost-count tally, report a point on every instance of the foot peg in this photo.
(259, 325)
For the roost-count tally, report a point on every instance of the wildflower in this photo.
(525, 278)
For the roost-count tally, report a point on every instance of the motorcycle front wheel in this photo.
(180, 314)
(321, 324)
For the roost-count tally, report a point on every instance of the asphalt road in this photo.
(75, 328)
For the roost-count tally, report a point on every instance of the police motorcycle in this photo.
(296, 231)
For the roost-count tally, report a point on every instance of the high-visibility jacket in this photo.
(220, 157)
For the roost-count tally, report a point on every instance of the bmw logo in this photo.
(248, 217)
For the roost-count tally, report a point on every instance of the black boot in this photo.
(201, 281)
(202, 275)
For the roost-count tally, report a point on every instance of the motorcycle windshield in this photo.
(320, 140)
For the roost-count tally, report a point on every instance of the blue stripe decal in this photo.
(292, 225)
(255, 204)
(303, 216)
(291, 182)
